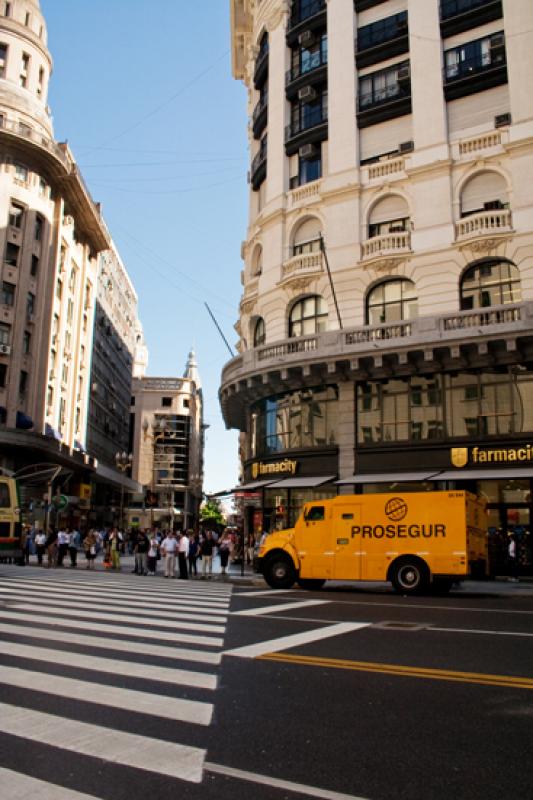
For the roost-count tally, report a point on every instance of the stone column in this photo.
(518, 24)
(277, 105)
(342, 127)
(346, 432)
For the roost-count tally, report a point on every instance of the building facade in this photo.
(168, 448)
(386, 322)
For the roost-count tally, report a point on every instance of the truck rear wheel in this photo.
(279, 572)
(409, 576)
(312, 584)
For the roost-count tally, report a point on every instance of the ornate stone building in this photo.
(386, 322)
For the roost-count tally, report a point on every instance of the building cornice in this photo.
(21, 32)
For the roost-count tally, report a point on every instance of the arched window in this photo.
(391, 301)
(259, 332)
(486, 191)
(306, 237)
(389, 215)
(308, 316)
(257, 261)
(491, 282)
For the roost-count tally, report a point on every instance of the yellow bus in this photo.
(414, 540)
(10, 525)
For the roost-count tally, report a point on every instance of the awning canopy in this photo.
(118, 478)
(251, 487)
(302, 483)
(484, 474)
(390, 477)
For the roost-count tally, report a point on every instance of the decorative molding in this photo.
(277, 16)
(484, 245)
(383, 265)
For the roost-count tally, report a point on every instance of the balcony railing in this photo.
(302, 264)
(305, 10)
(485, 223)
(481, 317)
(382, 96)
(309, 118)
(473, 66)
(289, 347)
(259, 116)
(388, 244)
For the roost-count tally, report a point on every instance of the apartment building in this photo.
(386, 322)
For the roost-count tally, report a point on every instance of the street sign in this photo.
(60, 502)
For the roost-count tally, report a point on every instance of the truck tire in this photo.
(279, 572)
(409, 575)
(312, 584)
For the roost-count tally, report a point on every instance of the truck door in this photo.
(348, 555)
(314, 544)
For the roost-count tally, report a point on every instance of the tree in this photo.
(211, 515)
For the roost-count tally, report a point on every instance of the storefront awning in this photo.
(484, 474)
(252, 487)
(390, 477)
(302, 483)
(118, 479)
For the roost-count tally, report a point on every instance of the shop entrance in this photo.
(509, 510)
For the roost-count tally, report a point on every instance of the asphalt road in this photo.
(115, 686)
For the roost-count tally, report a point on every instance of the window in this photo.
(388, 216)
(7, 10)
(308, 316)
(385, 85)
(307, 237)
(34, 268)
(309, 169)
(474, 57)
(21, 173)
(391, 301)
(259, 332)
(5, 333)
(315, 514)
(308, 115)
(62, 409)
(30, 304)
(12, 254)
(382, 31)
(27, 19)
(38, 230)
(23, 382)
(72, 279)
(24, 70)
(306, 59)
(166, 402)
(490, 283)
(70, 311)
(486, 191)
(3, 59)
(8, 294)
(59, 289)
(3, 378)
(16, 215)
(26, 343)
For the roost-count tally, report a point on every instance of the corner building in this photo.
(386, 322)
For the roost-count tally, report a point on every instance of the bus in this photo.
(10, 524)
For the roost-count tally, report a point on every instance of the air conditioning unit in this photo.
(306, 39)
(307, 93)
(404, 74)
(307, 151)
(501, 120)
(406, 147)
(5, 349)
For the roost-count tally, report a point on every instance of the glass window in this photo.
(308, 316)
(26, 343)
(259, 332)
(392, 301)
(490, 283)
(16, 215)
(12, 254)
(39, 226)
(5, 333)
(8, 294)
(21, 173)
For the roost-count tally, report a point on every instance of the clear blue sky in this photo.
(144, 95)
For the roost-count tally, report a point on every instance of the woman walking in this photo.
(89, 545)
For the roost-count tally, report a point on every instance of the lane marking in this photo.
(268, 780)
(130, 647)
(129, 631)
(480, 631)
(163, 757)
(404, 671)
(16, 786)
(155, 705)
(285, 642)
(264, 592)
(256, 612)
(134, 669)
(133, 619)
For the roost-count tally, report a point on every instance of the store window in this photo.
(491, 282)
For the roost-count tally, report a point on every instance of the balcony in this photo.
(306, 15)
(486, 223)
(259, 166)
(311, 71)
(310, 127)
(260, 115)
(303, 265)
(475, 73)
(382, 40)
(461, 15)
(389, 244)
(261, 68)
(383, 104)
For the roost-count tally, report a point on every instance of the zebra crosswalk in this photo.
(106, 667)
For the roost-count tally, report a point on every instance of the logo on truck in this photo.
(396, 509)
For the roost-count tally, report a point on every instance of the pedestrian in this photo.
(183, 552)
(169, 546)
(40, 545)
(114, 544)
(89, 545)
(224, 546)
(28, 544)
(141, 553)
(512, 552)
(192, 558)
(73, 547)
(153, 553)
(206, 552)
(62, 546)
(51, 548)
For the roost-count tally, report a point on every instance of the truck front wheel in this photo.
(409, 576)
(279, 572)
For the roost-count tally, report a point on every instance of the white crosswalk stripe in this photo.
(83, 647)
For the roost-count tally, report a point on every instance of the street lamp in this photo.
(123, 462)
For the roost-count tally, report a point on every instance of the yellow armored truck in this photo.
(417, 541)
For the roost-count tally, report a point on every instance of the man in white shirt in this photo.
(183, 552)
(63, 539)
(169, 546)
